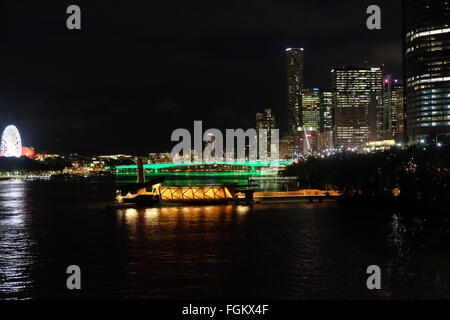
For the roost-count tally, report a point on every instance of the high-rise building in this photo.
(426, 27)
(265, 120)
(310, 111)
(310, 120)
(325, 135)
(391, 98)
(295, 87)
(376, 117)
(353, 89)
(326, 109)
(401, 114)
(325, 140)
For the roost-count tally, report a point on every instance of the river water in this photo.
(263, 251)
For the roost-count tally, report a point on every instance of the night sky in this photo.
(138, 70)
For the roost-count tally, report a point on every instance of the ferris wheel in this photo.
(11, 145)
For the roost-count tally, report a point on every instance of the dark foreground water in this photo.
(263, 251)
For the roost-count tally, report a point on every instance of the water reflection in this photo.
(180, 217)
(398, 236)
(15, 241)
(261, 251)
(418, 261)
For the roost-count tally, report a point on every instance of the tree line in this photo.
(416, 173)
(26, 165)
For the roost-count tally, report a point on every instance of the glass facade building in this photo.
(392, 99)
(353, 89)
(310, 120)
(426, 28)
(265, 120)
(310, 109)
(295, 87)
(326, 107)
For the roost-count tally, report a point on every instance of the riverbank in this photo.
(411, 178)
(24, 177)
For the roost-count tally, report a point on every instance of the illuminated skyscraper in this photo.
(325, 135)
(401, 114)
(427, 67)
(310, 119)
(295, 87)
(326, 107)
(353, 89)
(310, 111)
(392, 97)
(265, 120)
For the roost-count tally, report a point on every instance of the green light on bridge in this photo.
(130, 169)
(242, 164)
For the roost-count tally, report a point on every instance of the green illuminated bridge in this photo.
(206, 168)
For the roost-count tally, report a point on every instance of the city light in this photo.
(325, 186)
(11, 145)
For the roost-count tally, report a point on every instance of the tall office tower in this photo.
(325, 135)
(392, 91)
(401, 114)
(309, 120)
(310, 109)
(426, 27)
(377, 132)
(353, 89)
(295, 87)
(265, 120)
(326, 107)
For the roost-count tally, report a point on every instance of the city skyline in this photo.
(188, 152)
(239, 73)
